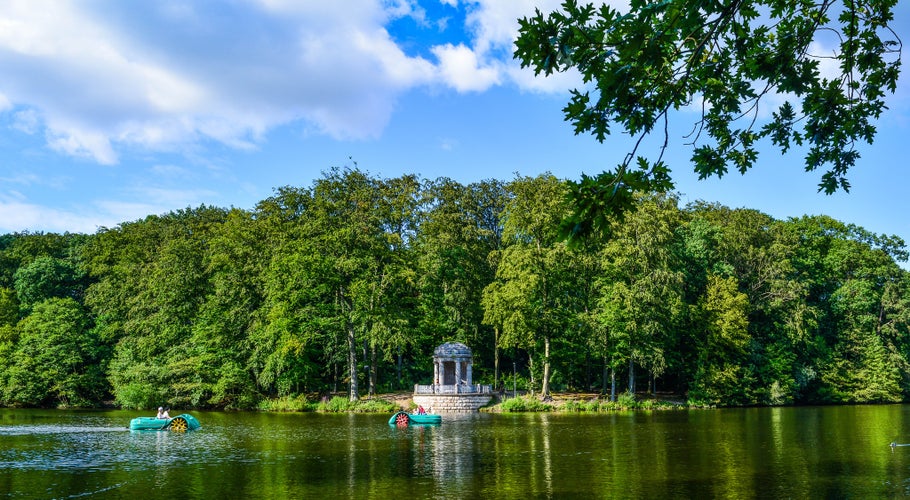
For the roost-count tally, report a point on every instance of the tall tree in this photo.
(721, 376)
(234, 261)
(758, 252)
(641, 288)
(57, 360)
(461, 229)
(530, 298)
(47, 277)
(393, 289)
(149, 302)
(282, 356)
(342, 241)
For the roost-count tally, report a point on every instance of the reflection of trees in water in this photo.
(547, 455)
(458, 455)
(453, 453)
(540, 458)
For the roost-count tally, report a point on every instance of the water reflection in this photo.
(771, 452)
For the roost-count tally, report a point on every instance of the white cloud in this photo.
(493, 25)
(17, 216)
(101, 77)
(84, 143)
(22, 178)
(26, 121)
(107, 75)
(461, 69)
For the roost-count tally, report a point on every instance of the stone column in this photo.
(470, 382)
(435, 375)
(457, 377)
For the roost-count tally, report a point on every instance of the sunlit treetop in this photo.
(827, 65)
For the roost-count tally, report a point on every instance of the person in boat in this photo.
(421, 411)
(163, 413)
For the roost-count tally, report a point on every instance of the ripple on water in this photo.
(107, 447)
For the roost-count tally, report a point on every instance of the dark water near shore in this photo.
(739, 453)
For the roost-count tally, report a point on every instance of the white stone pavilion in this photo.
(453, 388)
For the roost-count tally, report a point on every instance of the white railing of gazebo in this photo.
(453, 389)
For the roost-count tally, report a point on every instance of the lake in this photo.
(837, 451)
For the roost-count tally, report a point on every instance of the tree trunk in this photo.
(545, 383)
(589, 377)
(373, 371)
(612, 384)
(366, 364)
(631, 376)
(496, 358)
(531, 372)
(399, 368)
(606, 377)
(352, 362)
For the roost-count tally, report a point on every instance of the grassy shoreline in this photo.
(396, 401)
(583, 403)
(558, 403)
(336, 404)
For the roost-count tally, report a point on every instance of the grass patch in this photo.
(524, 404)
(339, 404)
(287, 403)
(625, 401)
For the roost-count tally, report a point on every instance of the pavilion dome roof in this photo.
(452, 350)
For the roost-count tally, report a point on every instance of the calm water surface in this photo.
(812, 452)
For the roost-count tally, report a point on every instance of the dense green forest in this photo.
(349, 284)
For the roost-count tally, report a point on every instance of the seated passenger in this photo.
(162, 413)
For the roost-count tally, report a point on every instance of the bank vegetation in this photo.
(349, 284)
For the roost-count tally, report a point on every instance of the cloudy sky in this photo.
(111, 110)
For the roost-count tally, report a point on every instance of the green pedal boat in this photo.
(404, 419)
(180, 423)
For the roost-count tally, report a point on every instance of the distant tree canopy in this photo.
(348, 285)
(828, 64)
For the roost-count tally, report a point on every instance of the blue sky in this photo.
(111, 111)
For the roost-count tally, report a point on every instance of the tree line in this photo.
(348, 285)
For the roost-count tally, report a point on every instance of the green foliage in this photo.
(287, 403)
(45, 278)
(626, 400)
(56, 361)
(524, 404)
(344, 405)
(642, 67)
(353, 282)
(640, 287)
(720, 376)
(9, 307)
(532, 296)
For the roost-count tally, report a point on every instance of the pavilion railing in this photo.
(453, 389)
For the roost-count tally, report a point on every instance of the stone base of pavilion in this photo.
(449, 399)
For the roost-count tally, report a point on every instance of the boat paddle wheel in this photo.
(405, 419)
(178, 424)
